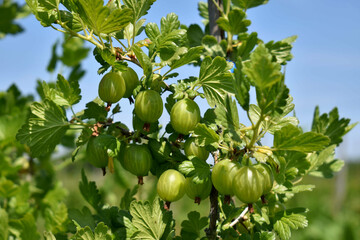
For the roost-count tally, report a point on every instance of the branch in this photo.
(239, 218)
(214, 213)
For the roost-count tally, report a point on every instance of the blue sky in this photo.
(325, 70)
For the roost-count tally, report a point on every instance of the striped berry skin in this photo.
(137, 159)
(131, 81)
(111, 87)
(171, 185)
(96, 153)
(191, 149)
(148, 106)
(222, 176)
(268, 175)
(184, 116)
(198, 191)
(248, 184)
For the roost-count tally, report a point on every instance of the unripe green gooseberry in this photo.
(197, 191)
(191, 149)
(248, 184)
(171, 185)
(268, 176)
(137, 159)
(131, 81)
(222, 176)
(96, 153)
(148, 106)
(111, 87)
(184, 116)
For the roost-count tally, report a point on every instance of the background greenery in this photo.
(333, 215)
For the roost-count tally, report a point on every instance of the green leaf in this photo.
(143, 59)
(302, 188)
(261, 70)
(167, 41)
(49, 236)
(45, 11)
(96, 111)
(108, 59)
(205, 136)
(55, 212)
(169, 24)
(191, 228)
(196, 168)
(323, 164)
(128, 198)
(73, 51)
(194, 35)
(203, 11)
(9, 126)
(281, 50)
(129, 29)
(89, 191)
(246, 4)
(331, 125)
(216, 80)
(24, 228)
(227, 115)
(52, 63)
(71, 20)
(99, 18)
(191, 55)
(247, 45)
(70, 90)
(82, 217)
(235, 22)
(139, 7)
(8, 14)
(212, 47)
(101, 232)
(44, 128)
(151, 220)
(4, 225)
(8, 188)
(284, 224)
(241, 86)
(290, 138)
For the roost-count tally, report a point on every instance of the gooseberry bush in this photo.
(206, 154)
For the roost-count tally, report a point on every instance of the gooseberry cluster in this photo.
(247, 182)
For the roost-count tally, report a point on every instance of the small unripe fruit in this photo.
(184, 116)
(111, 87)
(268, 176)
(96, 152)
(148, 106)
(137, 159)
(191, 149)
(222, 176)
(131, 81)
(171, 185)
(198, 191)
(247, 184)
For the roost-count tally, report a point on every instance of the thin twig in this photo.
(240, 217)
